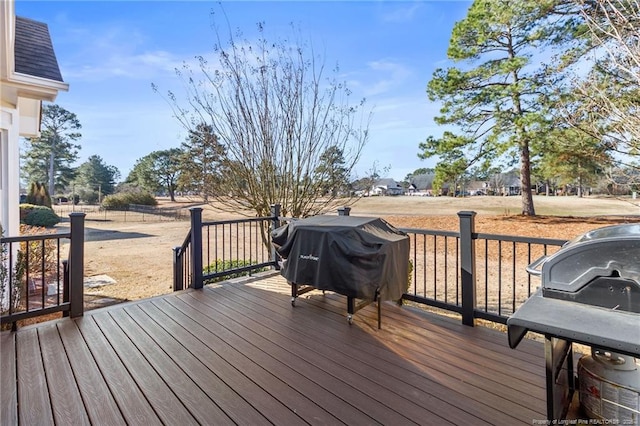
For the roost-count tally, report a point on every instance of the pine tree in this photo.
(49, 157)
(497, 98)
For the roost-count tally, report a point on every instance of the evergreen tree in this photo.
(497, 100)
(332, 172)
(201, 163)
(572, 157)
(49, 157)
(95, 179)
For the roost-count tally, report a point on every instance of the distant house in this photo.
(422, 185)
(386, 186)
(505, 183)
(29, 74)
(477, 187)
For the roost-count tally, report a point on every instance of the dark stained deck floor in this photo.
(241, 354)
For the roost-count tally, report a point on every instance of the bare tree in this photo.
(607, 102)
(275, 113)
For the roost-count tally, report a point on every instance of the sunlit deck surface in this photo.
(241, 354)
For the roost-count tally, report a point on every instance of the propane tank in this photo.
(610, 387)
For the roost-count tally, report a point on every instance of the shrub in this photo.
(38, 215)
(225, 265)
(122, 200)
(38, 195)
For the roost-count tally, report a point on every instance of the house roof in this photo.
(34, 53)
(387, 182)
(423, 182)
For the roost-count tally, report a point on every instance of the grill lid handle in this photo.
(533, 269)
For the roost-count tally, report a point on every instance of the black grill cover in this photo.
(350, 255)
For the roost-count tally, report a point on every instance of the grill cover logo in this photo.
(309, 257)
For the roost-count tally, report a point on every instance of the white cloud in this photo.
(402, 14)
(137, 66)
(380, 77)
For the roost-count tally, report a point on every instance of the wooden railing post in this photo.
(76, 264)
(178, 276)
(196, 246)
(344, 211)
(275, 213)
(468, 266)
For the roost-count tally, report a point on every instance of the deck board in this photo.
(239, 353)
(9, 393)
(63, 389)
(156, 388)
(33, 394)
(98, 400)
(133, 405)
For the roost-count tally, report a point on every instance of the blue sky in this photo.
(111, 52)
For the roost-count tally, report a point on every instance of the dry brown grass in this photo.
(138, 255)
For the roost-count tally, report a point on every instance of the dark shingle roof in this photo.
(388, 182)
(34, 53)
(422, 182)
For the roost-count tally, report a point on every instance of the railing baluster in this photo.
(435, 265)
(499, 277)
(486, 275)
(424, 266)
(446, 267)
(27, 280)
(513, 278)
(42, 273)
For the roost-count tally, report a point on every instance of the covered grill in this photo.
(359, 257)
(590, 294)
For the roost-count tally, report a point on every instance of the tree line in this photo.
(49, 160)
(551, 87)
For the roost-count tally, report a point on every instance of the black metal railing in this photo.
(503, 283)
(476, 275)
(473, 274)
(224, 249)
(36, 280)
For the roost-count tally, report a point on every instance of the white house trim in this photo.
(21, 97)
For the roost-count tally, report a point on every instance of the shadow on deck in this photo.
(240, 353)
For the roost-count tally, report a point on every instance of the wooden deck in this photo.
(241, 354)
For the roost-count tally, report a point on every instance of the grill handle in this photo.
(533, 270)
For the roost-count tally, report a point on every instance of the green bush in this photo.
(38, 215)
(122, 200)
(225, 265)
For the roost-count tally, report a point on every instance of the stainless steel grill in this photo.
(589, 294)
